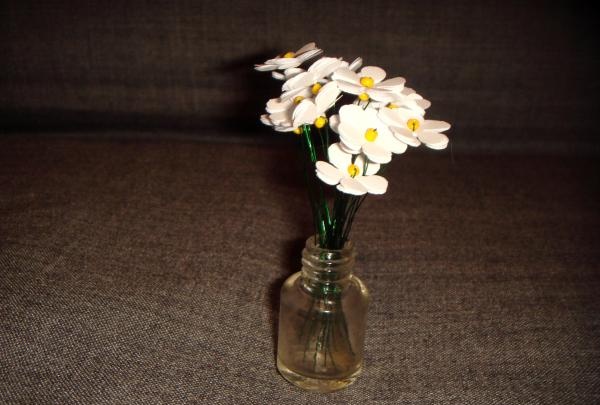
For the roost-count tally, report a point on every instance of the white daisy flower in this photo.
(351, 177)
(312, 112)
(368, 83)
(280, 112)
(313, 78)
(407, 98)
(361, 131)
(290, 59)
(412, 129)
(265, 119)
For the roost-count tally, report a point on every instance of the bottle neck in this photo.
(326, 271)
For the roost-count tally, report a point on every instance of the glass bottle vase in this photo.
(322, 321)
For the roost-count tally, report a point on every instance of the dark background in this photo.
(507, 74)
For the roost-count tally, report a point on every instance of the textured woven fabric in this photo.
(508, 74)
(146, 272)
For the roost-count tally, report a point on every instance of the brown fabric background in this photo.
(508, 75)
(147, 221)
(148, 272)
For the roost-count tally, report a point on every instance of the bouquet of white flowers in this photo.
(372, 118)
(350, 121)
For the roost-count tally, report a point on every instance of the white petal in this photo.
(350, 136)
(291, 72)
(378, 94)
(354, 115)
(327, 173)
(424, 104)
(277, 105)
(304, 113)
(307, 47)
(265, 67)
(277, 76)
(324, 67)
(334, 122)
(326, 97)
(282, 128)
(347, 149)
(356, 63)
(391, 143)
(413, 105)
(287, 63)
(382, 130)
(433, 125)
(350, 88)
(374, 184)
(407, 91)
(349, 185)
(291, 94)
(397, 83)
(265, 120)
(280, 118)
(390, 116)
(374, 72)
(433, 140)
(283, 61)
(345, 75)
(303, 79)
(304, 92)
(376, 153)
(406, 114)
(309, 54)
(405, 135)
(338, 157)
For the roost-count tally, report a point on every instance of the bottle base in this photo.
(316, 384)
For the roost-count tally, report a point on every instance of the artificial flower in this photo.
(312, 112)
(280, 112)
(290, 59)
(352, 176)
(361, 131)
(314, 76)
(411, 128)
(368, 83)
(383, 120)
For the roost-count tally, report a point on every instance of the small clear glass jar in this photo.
(322, 320)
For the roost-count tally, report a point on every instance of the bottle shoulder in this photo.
(353, 287)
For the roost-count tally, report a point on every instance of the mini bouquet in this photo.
(351, 121)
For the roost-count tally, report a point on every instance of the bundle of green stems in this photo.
(332, 225)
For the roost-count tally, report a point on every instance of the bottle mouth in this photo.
(330, 255)
(327, 266)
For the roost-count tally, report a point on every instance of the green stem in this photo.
(321, 215)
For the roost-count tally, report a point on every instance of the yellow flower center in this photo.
(392, 106)
(413, 124)
(371, 134)
(353, 170)
(363, 96)
(320, 122)
(367, 81)
(315, 88)
(298, 131)
(289, 54)
(298, 99)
